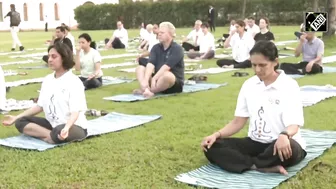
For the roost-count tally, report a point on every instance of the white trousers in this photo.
(15, 38)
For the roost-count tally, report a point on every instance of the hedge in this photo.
(183, 13)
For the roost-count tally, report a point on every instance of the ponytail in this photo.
(93, 45)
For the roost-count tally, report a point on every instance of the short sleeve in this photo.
(233, 40)
(77, 98)
(190, 35)
(271, 36)
(293, 107)
(152, 55)
(97, 57)
(114, 33)
(320, 49)
(41, 98)
(250, 43)
(241, 107)
(176, 56)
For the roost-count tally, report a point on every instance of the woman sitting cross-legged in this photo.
(88, 61)
(62, 99)
(241, 43)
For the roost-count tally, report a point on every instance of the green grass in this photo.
(149, 156)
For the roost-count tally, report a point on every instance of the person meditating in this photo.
(164, 72)
(62, 99)
(88, 61)
(271, 101)
(312, 49)
(241, 43)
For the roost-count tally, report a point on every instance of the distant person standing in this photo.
(46, 23)
(15, 21)
(212, 17)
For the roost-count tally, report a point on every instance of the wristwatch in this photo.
(285, 133)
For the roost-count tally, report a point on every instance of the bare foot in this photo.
(275, 169)
(48, 140)
(137, 92)
(148, 93)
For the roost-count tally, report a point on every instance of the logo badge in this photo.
(316, 22)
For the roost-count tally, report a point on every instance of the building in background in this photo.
(36, 13)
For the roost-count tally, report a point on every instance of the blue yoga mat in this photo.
(313, 94)
(33, 67)
(326, 69)
(186, 89)
(111, 122)
(211, 176)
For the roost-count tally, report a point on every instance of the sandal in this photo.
(96, 113)
(198, 78)
(240, 74)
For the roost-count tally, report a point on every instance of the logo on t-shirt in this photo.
(316, 22)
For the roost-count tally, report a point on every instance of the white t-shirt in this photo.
(72, 39)
(195, 35)
(61, 96)
(271, 108)
(143, 33)
(88, 62)
(2, 89)
(232, 28)
(122, 34)
(207, 41)
(254, 30)
(152, 41)
(241, 47)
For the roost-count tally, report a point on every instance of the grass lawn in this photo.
(149, 156)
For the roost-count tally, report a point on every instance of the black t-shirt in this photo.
(172, 57)
(65, 40)
(9, 14)
(268, 36)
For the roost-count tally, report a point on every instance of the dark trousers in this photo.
(46, 27)
(228, 62)
(300, 68)
(75, 132)
(187, 46)
(45, 58)
(116, 44)
(212, 25)
(239, 154)
(92, 83)
(143, 61)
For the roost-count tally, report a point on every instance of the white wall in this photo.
(65, 12)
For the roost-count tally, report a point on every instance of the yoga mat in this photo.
(33, 67)
(10, 72)
(279, 43)
(186, 89)
(111, 122)
(37, 49)
(24, 82)
(211, 176)
(105, 66)
(17, 62)
(108, 80)
(128, 70)
(13, 52)
(220, 56)
(119, 55)
(15, 105)
(329, 59)
(30, 55)
(313, 94)
(326, 69)
(193, 60)
(210, 71)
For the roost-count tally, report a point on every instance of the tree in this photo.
(244, 8)
(315, 5)
(331, 9)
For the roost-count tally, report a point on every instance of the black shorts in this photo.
(176, 88)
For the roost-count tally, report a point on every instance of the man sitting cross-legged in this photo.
(272, 102)
(152, 40)
(207, 45)
(119, 39)
(164, 72)
(312, 49)
(194, 36)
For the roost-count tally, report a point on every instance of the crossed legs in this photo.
(166, 81)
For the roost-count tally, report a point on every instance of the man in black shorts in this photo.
(164, 72)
